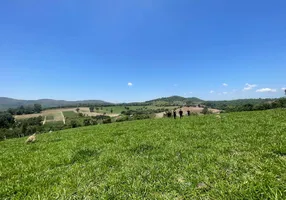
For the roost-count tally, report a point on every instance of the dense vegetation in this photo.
(247, 104)
(175, 101)
(36, 108)
(240, 156)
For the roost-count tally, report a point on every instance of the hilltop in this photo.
(175, 100)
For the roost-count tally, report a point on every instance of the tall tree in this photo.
(6, 120)
(37, 108)
(91, 108)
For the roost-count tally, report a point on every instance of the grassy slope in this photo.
(241, 156)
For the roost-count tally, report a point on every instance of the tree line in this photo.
(251, 105)
(21, 110)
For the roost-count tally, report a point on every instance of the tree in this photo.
(205, 110)
(74, 124)
(24, 128)
(77, 109)
(87, 122)
(91, 108)
(111, 110)
(6, 120)
(37, 108)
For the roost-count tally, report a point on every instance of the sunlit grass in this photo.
(240, 156)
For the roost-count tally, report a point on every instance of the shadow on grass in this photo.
(85, 155)
(280, 153)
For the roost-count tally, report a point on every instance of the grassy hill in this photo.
(6, 103)
(241, 156)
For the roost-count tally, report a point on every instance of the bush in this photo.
(74, 124)
(206, 111)
(122, 119)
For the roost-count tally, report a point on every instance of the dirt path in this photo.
(64, 119)
(45, 120)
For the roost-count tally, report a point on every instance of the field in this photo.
(55, 115)
(70, 114)
(240, 156)
(119, 109)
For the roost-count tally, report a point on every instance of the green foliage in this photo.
(240, 156)
(74, 124)
(91, 108)
(6, 120)
(37, 108)
(206, 111)
(175, 101)
(265, 105)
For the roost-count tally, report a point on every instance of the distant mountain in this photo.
(175, 100)
(6, 103)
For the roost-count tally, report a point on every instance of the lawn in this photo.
(240, 156)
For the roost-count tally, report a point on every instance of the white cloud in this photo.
(129, 84)
(212, 91)
(266, 90)
(191, 92)
(249, 86)
(284, 88)
(225, 84)
(224, 92)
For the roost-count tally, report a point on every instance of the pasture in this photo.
(240, 156)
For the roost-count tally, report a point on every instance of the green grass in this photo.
(241, 156)
(70, 114)
(50, 117)
(54, 123)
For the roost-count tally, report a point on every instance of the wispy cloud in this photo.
(175, 85)
(225, 84)
(212, 91)
(266, 90)
(249, 86)
(130, 84)
(191, 92)
(284, 88)
(224, 92)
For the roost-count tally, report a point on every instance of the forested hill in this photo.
(6, 103)
(175, 100)
(222, 105)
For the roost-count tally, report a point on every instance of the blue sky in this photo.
(92, 49)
